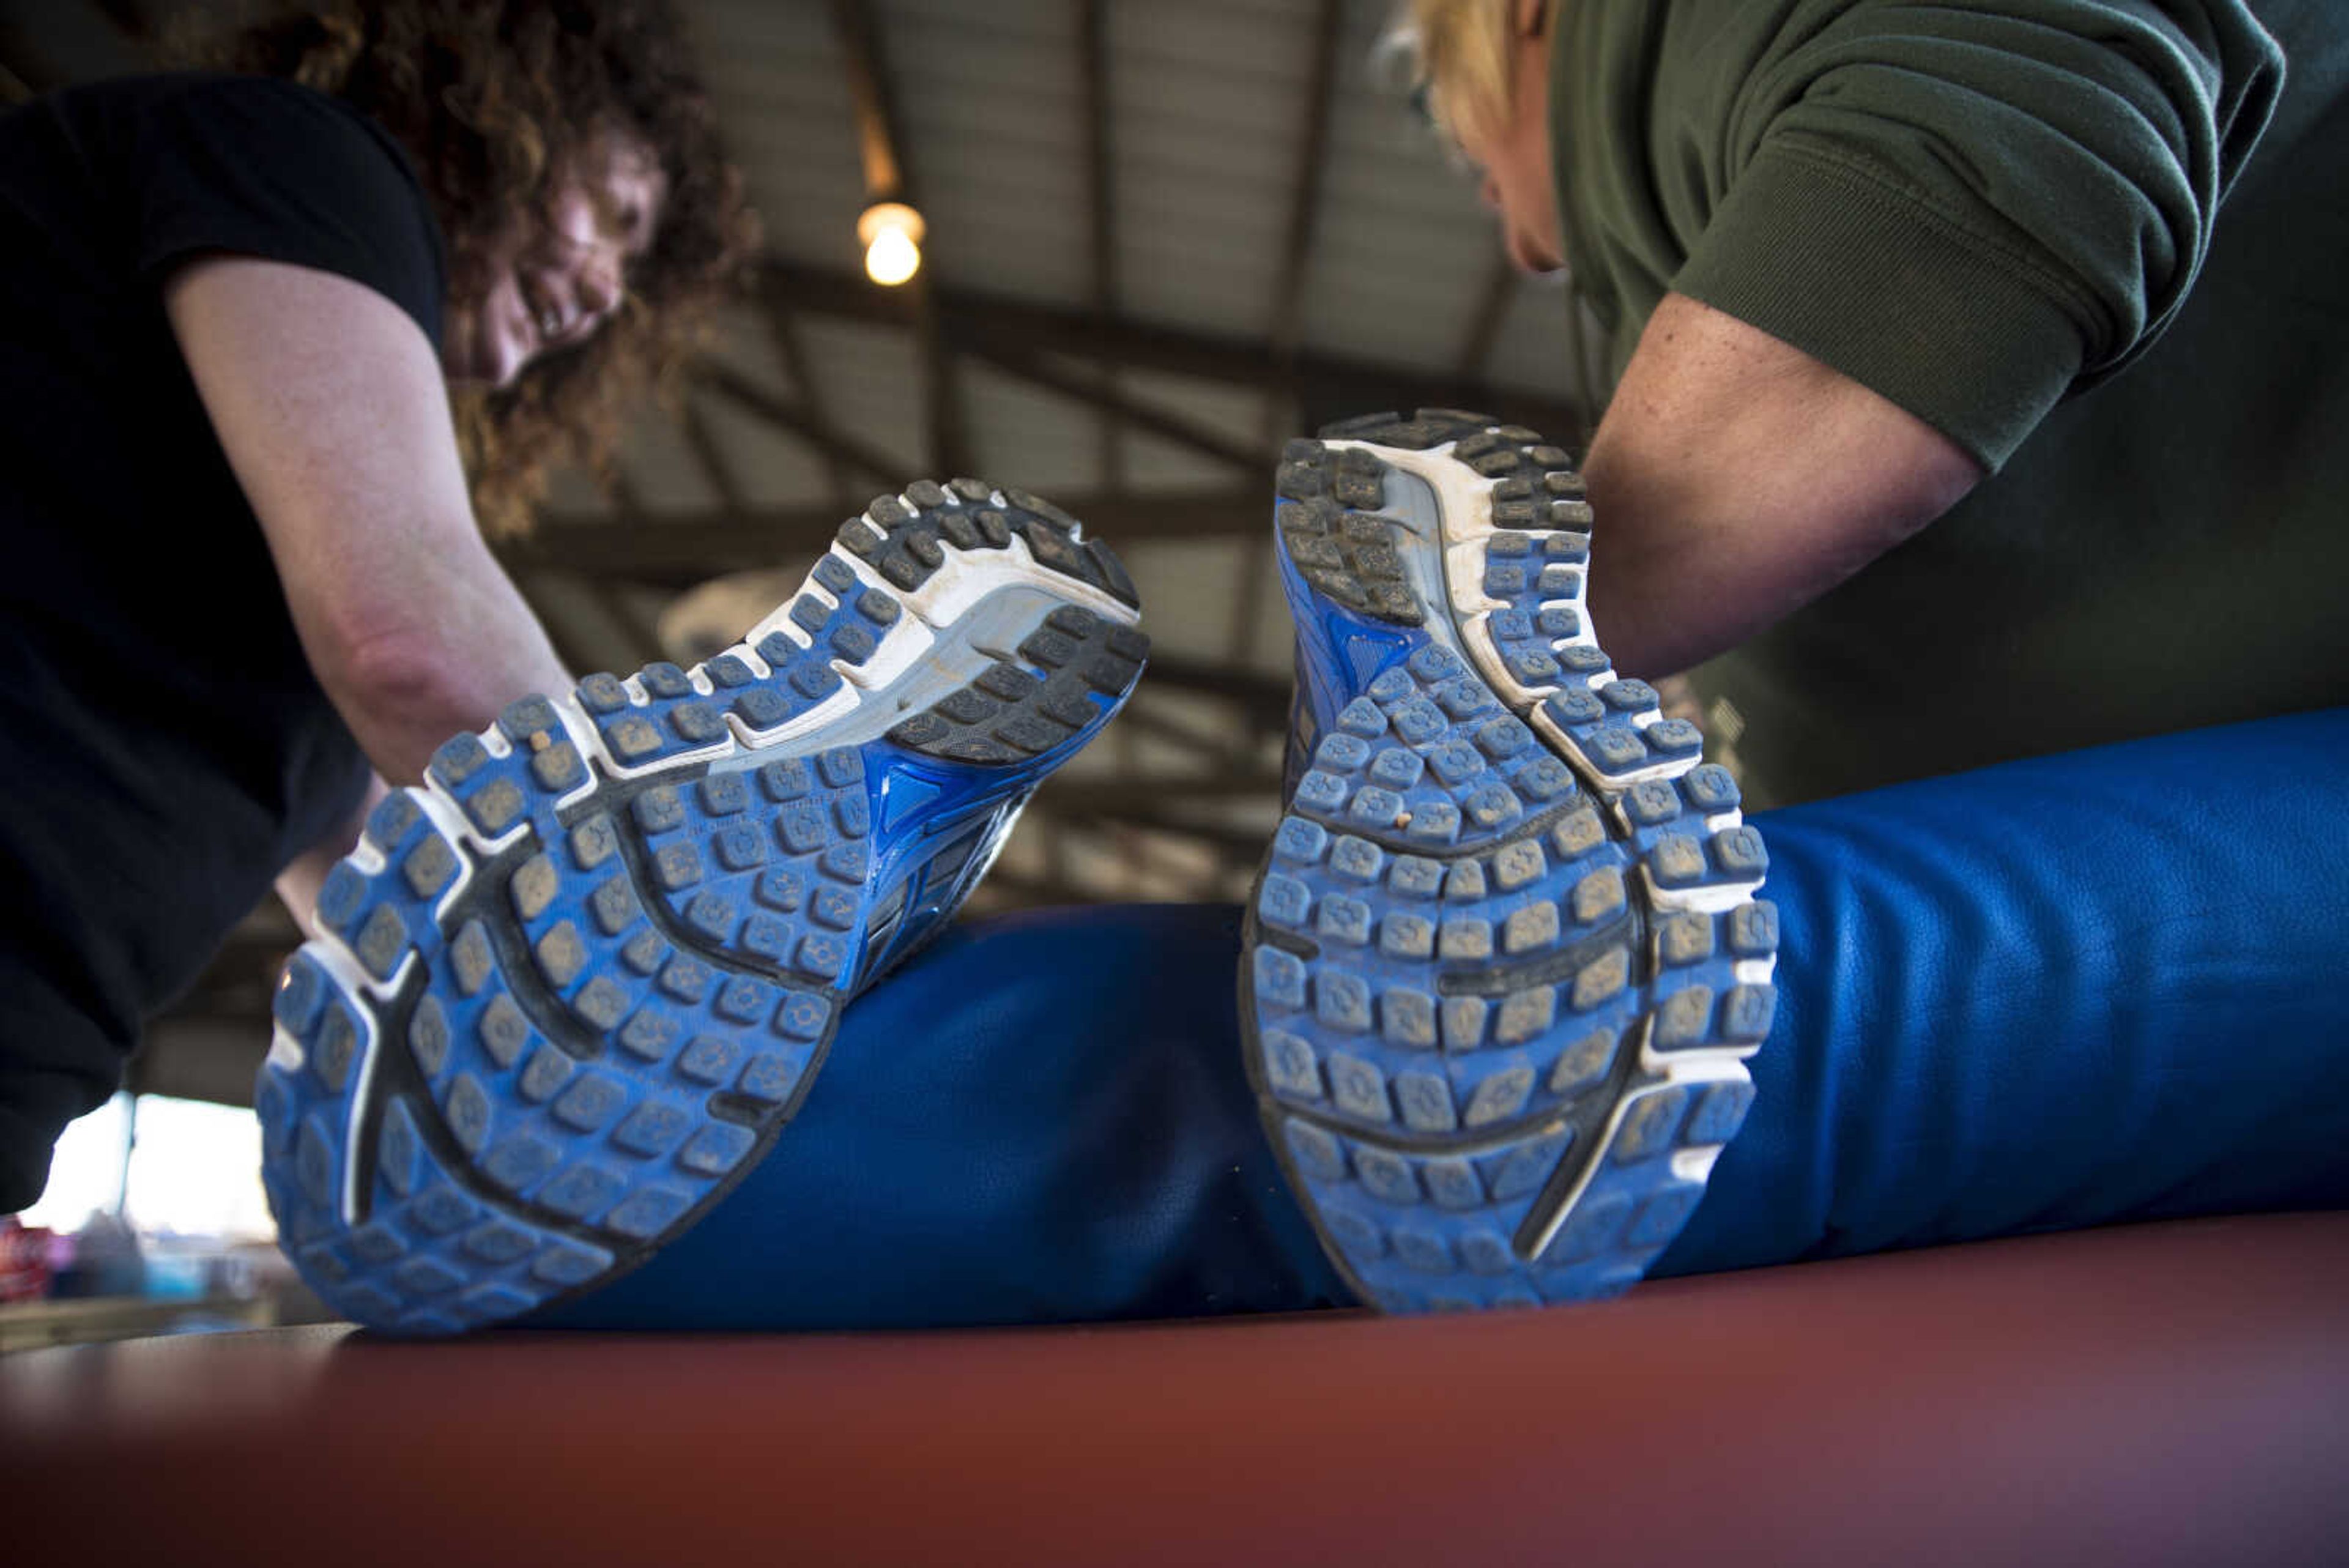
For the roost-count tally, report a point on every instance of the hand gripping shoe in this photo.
(1503, 963)
(571, 988)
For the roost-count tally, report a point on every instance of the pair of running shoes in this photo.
(1502, 969)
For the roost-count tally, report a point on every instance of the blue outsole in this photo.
(1503, 961)
(568, 992)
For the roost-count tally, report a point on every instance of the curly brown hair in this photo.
(496, 102)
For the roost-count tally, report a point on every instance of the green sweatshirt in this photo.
(2007, 220)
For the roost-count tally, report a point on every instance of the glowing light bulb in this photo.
(892, 258)
(892, 235)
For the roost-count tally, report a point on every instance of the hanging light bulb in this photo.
(891, 234)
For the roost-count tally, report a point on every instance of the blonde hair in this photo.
(1463, 52)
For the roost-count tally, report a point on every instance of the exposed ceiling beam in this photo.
(1030, 366)
(1055, 847)
(579, 653)
(1491, 309)
(1287, 320)
(784, 329)
(1156, 853)
(639, 630)
(688, 547)
(1305, 209)
(1262, 698)
(1226, 745)
(1287, 328)
(714, 466)
(974, 317)
(949, 432)
(880, 467)
(590, 619)
(1235, 840)
(627, 500)
(889, 177)
(1012, 890)
(1092, 83)
(1128, 800)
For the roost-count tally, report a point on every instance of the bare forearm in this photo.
(448, 662)
(331, 407)
(1735, 480)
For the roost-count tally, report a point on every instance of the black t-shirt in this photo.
(164, 749)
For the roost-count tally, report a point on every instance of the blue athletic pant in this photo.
(2073, 991)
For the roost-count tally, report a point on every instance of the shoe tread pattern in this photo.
(565, 1000)
(900, 536)
(1013, 711)
(1498, 1056)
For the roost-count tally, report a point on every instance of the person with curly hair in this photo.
(282, 341)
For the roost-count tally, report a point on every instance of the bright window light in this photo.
(195, 1169)
(86, 1171)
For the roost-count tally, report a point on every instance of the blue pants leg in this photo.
(2077, 989)
(1043, 1118)
(2105, 986)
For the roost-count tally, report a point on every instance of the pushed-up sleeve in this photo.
(1973, 210)
(254, 166)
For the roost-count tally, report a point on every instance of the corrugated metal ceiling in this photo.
(1208, 110)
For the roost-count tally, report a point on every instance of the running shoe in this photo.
(1504, 963)
(571, 989)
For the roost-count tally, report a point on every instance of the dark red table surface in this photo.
(2170, 1393)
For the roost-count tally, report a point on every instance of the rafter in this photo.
(1029, 366)
(621, 486)
(973, 317)
(878, 466)
(687, 547)
(1241, 844)
(1129, 799)
(1006, 888)
(715, 468)
(640, 635)
(1305, 209)
(874, 98)
(1491, 309)
(1092, 83)
(1287, 328)
(579, 653)
(889, 176)
(1263, 700)
(949, 432)
(783, 327)
(1228, 745)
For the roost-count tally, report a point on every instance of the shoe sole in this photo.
(1503, 964)
(571, 989)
